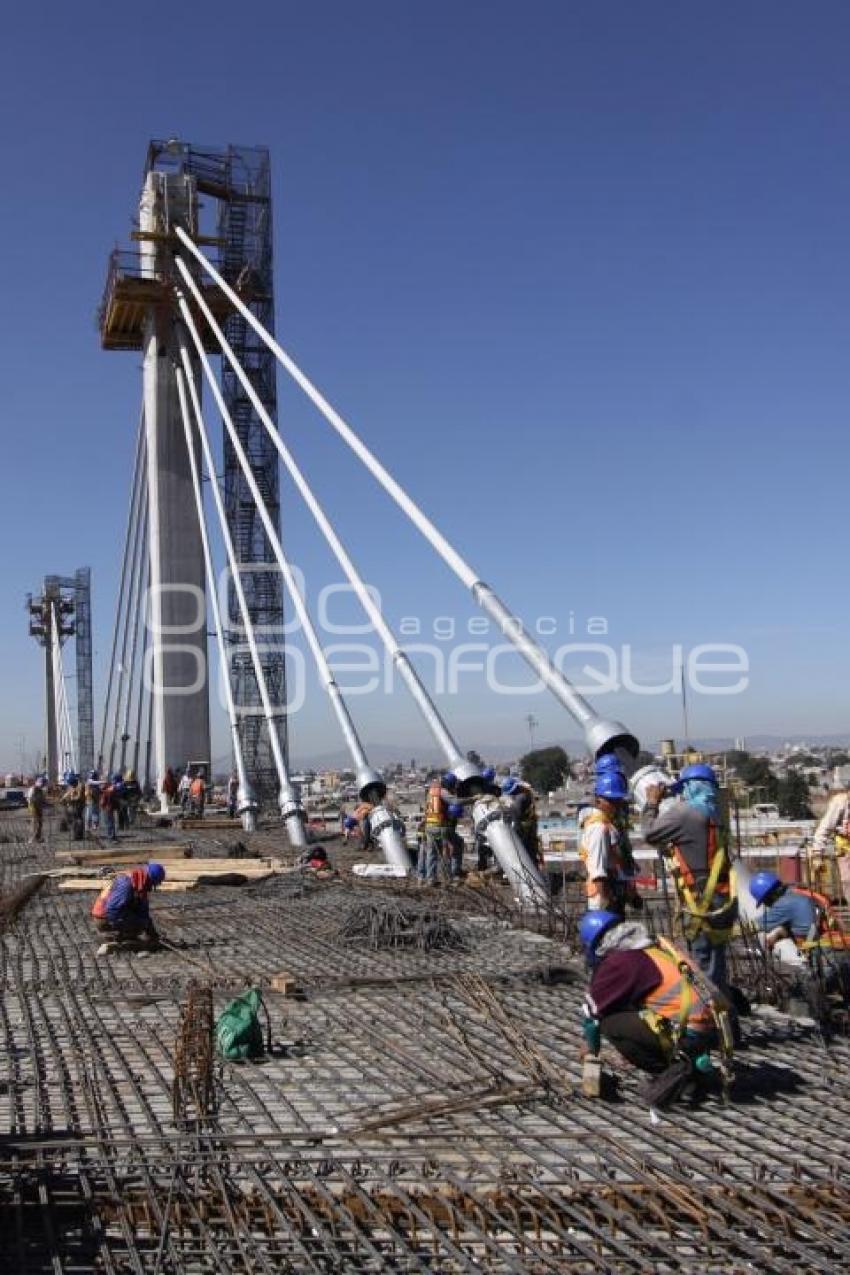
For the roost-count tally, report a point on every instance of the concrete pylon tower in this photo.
(176, 612)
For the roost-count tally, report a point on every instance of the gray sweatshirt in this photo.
(683, 826)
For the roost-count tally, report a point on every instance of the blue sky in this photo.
(578, 273)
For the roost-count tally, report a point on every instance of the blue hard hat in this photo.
(117, 778)
(593, 925)
(699, 770)
(72, 777)
(156, 873)
(612, 784)
(762, 884)
(608, 763)
(510, 785)
(488, 774)
(449, 779)
(455, 809)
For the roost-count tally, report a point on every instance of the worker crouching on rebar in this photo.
(801, 930)
(122, 909)
(651, 1002)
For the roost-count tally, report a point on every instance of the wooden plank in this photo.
(97, 883)
(139, 854)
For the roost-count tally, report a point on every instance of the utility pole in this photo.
(532, 724)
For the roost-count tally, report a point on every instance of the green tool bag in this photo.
(238, 1032)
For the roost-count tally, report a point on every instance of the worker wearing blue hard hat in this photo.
(690, 833)
(799, 927)
(649, 1001)
(521, 806)
(610, 882)
(122, 910)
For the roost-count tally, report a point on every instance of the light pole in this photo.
(532, 724)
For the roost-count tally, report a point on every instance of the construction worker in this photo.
(651, 1002)
(132, 796)
(689, 832)
(484, 855)
(361, 814)
(232, 794)
(36, 803)
(801, 931)
(93, 787)
(438, 847)
(831, 841)
(518, 796)
(198, 795)
(110, 803)
(610, 886)
(74, 802)
(168, 787)
(122, 909)
(183, 789)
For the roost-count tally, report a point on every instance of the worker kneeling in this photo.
(651, 1002)
(801, 930)
(122, 909)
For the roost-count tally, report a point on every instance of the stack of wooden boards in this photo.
(182, 870)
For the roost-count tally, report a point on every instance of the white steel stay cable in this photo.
(137, 736)
(135, 672)
(287, 792)
(386, 828)
(140, 539)
(212, 592)
(128, 536)
(599, 734)
(438, 728)
(340, 708)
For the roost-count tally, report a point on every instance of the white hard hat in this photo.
(645, 778)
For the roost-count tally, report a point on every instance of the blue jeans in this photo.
(110, 825)
(431, 854)
(455, 840)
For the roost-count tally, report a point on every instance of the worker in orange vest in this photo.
(122, 909)
(800, 928)
(441, 813)
(198, 794)
(652, 1003)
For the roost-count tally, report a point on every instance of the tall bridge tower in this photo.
(63, 610)
(137, 313)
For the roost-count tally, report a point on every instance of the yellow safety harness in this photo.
(698, 913)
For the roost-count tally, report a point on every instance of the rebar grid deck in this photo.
(420, 1110)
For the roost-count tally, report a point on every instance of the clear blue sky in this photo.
(578, 272)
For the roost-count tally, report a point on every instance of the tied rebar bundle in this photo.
(380, 926)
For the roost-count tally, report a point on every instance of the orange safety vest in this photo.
(714, 848)
(138, 876)
(615, 860)
(197, 787)
(436, 810)
(831, 932)
(676, 997)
